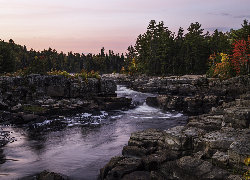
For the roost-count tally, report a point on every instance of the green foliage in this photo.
(63, 73)
(83, 74)
(16, 58)
(247, 162)
(160, 52)
(37, 66)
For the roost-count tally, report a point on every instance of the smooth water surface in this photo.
(79, 146)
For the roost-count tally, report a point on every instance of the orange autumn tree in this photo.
(241, 56)
(222, 69)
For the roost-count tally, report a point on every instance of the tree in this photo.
(196, 50)
(241, 56)
(7, 59)
(130, 56)
(37, 66)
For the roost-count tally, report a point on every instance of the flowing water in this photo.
(79, 146)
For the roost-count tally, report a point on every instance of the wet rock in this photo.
(108, 167)
(152, 101)
(124, 167)
(111, 103)
(29, 117)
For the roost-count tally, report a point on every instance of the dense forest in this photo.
(14, 57)
(156, 52)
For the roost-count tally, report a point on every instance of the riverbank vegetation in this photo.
(156, 52)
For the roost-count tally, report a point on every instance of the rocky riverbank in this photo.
(190, 93)
(210, 146)
(32, 98)
(199, 95)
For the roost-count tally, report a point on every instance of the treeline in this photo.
(14, 57)
(161, 52)
(156, 52)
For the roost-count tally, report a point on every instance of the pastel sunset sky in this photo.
(85, 26)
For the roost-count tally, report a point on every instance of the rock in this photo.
(49, 101)
(156, 176)
(235, 177)
(29, 117)
(112, 103)
(17, 107)
(180, 138)
(3, 106)
(193, 169)
(147, 138)
(108, 167)
(45, 175)
(238, 151)
(193, 104)
(152, 162)
(152, 101)
(238, 117)
(206, 122)
(124, 167)
(137, 175)
(208, 102)
(134, 151)
(55, 91)
(220, 140)
(166, 170)
(221, 159)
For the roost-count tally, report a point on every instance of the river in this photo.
(79, 146)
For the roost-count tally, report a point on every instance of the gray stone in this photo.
(147, 138)
(123, 167)
(137, 175)
(134, 151)
(220, 159)
(239, 150)
(180, 138)
(29, 117)
(108, 167)
(191, 168)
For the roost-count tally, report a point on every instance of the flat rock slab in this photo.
(220, 140)
(147, 138)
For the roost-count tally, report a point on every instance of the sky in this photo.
(84, 26)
